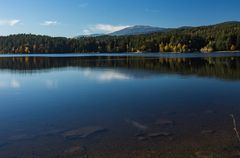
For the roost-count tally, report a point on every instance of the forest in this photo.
(219, 37)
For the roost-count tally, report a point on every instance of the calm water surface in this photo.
(119, 106)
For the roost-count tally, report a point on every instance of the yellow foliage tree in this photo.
(175, 49)
(167, 48)
(27, 50)
(162, 47)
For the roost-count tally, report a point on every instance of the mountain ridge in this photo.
(147, 29)
(137, 30)
(132, 30)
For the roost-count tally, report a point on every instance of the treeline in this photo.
(220, 37)
(28, 43)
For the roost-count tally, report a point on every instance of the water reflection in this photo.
(13, 83)
(219, 67)
(51, 84)
(118, 107)
(107, 75)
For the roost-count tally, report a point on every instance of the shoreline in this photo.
(199, 52)
(237, 51)
(143, 54)
(196, 52)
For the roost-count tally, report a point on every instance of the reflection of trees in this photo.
(220, 67)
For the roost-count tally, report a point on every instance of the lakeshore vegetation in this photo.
(219, 37)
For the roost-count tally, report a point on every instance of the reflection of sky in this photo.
(51, 84)
(97, 87)
(60, 79)
(52, 80)
(12, 83)
(107, 75)
(68, 86)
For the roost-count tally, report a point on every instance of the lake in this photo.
(119, 106)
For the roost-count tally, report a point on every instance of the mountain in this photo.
(137, 30)
(185, 27)
(133, 30)
(229, 23)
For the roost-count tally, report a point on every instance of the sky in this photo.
(70, 18)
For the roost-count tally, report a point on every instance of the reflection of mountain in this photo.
(220, 67)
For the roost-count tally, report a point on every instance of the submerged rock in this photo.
(137, 125)
(142, 138)
(146, 136)
(83, 132)
(159, 134)
(76, 152)
(164, 122)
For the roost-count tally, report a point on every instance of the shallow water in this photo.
(119, 106)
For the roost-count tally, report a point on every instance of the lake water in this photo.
(119, 106)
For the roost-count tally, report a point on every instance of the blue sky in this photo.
(74, 17)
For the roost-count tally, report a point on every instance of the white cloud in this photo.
(107, 28)
(83, 5)
(49, 23)
(11, 22)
